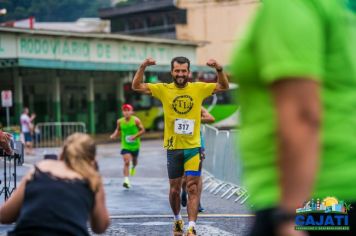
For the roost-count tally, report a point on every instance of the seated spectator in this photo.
(58, 197)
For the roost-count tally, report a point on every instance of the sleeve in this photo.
(206, 89)
(290, 40)
(155, 90)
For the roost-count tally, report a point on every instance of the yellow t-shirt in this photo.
(182, 112)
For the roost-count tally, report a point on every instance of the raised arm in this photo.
(137, 83)
(33, 116)
(222, 84)
(206, 117)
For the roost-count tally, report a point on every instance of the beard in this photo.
(180, 81)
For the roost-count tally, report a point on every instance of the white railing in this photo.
(222, 164)
(52, 134)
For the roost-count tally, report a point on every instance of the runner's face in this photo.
(180, 74)
(127, 113)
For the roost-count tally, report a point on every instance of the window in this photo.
(118, 25)
(136, 23)
(155, 20)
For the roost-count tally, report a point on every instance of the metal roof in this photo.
(98, 36)
(136, 7)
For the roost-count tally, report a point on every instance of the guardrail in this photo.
(222, 164)
(53, 134)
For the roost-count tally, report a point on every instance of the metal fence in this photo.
(53, 134)
(222, 164)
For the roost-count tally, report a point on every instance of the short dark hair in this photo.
(180, 60)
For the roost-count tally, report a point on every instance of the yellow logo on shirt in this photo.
(182, 104)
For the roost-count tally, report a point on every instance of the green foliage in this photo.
(51, 10)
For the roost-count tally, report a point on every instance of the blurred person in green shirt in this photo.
(296, 68)
(130, 129)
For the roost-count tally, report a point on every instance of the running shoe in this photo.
(201, 208)
(126, 184)
(132, 171)
(183, 199)
(178, 228)
(191, 232)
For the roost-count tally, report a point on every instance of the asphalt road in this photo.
(144, 209)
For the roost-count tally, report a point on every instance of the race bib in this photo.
(128, 139)
(184, 126)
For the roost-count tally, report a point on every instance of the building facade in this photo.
(214, 24)
(64, 76)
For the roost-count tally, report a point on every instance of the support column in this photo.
(57, 99)
(119, 95)
(18, 96)
(57, 104)
(91, 105)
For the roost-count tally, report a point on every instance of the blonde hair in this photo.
(78, 154)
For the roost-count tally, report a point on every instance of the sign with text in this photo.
(6, 98)
(90, 49)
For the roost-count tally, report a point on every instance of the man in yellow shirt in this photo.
(182, 103)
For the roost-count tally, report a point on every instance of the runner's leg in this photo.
(134, 163)
(184, 192)
(134, 160)
(127, 158)
(175, 167)
(193, 197)
(174, 194)
(200, 188)
(192, 168)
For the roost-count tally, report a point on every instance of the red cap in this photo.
(127, 107)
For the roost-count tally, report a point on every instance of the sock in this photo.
(126, 179)
(191, 224)
(178, 217)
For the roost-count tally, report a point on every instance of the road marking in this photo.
(211, 230)
(27, 165)
(203, 228)
(170, 216)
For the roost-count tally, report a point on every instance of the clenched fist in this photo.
(149, 61)
(214, 64)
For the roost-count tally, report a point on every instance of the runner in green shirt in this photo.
(296, 69)
(130, 128)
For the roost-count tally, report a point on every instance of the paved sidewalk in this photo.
(144, 209)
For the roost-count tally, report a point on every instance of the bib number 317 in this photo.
(184, 126)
